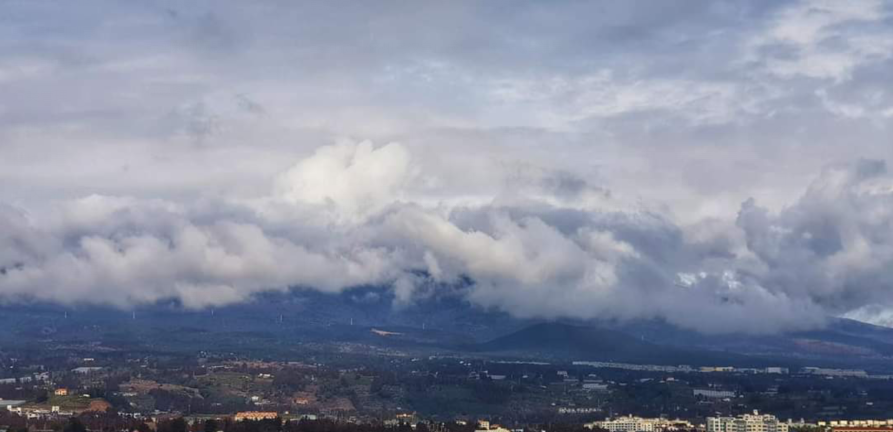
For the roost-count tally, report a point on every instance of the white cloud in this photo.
(122, 258)
(561, 101)
(824, 39)
(353, 180)
(546, 260)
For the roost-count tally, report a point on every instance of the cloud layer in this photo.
(715, 164)
(828, 253)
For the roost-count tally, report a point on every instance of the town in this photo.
(209, 391)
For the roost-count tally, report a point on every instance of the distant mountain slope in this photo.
(571, 342)
(843, 343)
(274, 319)
(444, 321)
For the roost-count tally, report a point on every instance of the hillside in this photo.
(291, 322)
(571, 342)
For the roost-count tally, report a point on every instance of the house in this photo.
(486, 426)
(255, 415)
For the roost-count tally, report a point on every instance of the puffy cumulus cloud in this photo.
(829, 253)
(123, 252)
(350, 180)
(833, 246)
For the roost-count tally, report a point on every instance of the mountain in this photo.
(286, 323)
(842, 343)
(279, 324)
(573, 342)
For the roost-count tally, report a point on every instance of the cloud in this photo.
(693, 161)
(126, 252)
(544, 260)
(351, 180)
(824, 39)
(833, 246)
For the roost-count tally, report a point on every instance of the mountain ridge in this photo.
(440, 323)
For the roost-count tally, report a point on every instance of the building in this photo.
(714, 394)
(842, 373)
(594, 386)
(255, 415)
(10, 404)
(862, 429)
(406, 418)
(746, 423)
(639, 424)
(858, 425)
(61, 391)
(84, 370)
(485, 426)
(625, 424)
(709, 369)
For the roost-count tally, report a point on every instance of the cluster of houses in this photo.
(754, 422)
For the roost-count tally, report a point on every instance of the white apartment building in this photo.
(485, 426)
(627, 424)
(714, 394)
(858, 423)
(746, 423)
(638, 424)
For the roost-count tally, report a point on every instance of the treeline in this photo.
(323, 425)
(101, 423)
(328, 425)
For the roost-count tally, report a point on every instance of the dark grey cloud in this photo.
(833, 245)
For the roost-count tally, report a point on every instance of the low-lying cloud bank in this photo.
(555, 247)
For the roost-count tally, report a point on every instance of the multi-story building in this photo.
(855, 373)
(858, 425)
(746, 423)
(486, 426)
(639, 424)
(714, 394)
(255, 415)
(861, 429)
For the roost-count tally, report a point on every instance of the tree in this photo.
(175, 425)
(75, 425)
(179, 425)
(211, 425)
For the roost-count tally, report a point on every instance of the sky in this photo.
(720, 165)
